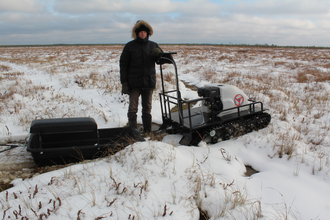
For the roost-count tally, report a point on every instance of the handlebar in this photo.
(170, 53)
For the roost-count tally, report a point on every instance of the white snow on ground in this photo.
(164, 180)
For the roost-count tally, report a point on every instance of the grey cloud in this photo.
(27, 6)
(86, 6)
(240, 29)
(103, 6)
(280, 7)
(324, 24)
(195, 7)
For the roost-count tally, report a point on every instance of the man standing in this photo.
(138, 73)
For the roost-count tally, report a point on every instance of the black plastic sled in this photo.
(68, 140)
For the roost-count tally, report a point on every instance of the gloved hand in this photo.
(124, 88)
(157, 53)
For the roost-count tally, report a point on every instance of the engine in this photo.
(221, 97)
(213, 98)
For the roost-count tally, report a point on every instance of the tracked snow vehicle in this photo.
(222, 111)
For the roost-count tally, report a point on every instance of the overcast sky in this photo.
(279, 22)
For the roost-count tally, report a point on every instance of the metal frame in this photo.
(181, 126)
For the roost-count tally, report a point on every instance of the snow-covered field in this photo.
(163, 180)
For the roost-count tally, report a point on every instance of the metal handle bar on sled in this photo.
(167, 58)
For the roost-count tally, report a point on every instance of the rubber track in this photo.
(236, 128)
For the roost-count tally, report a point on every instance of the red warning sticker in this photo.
(239, 100)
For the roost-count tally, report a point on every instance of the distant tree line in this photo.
(209, 44)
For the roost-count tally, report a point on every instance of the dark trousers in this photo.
(146, 96)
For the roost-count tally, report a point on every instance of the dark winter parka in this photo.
(137, 65)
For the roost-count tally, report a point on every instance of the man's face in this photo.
(143, 34)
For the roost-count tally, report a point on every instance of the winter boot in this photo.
(146, 119)
(132, 123)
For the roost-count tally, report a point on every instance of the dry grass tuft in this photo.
(209, 74)
(155, 136)
(312, 75)
(169, 77)
(4, 68)
(302, 77)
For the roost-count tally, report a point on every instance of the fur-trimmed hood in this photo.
(141, 24)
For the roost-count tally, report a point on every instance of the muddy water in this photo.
(18, 163)
(15, 163)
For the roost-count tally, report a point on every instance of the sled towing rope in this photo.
(225, 111)
(11, 146)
